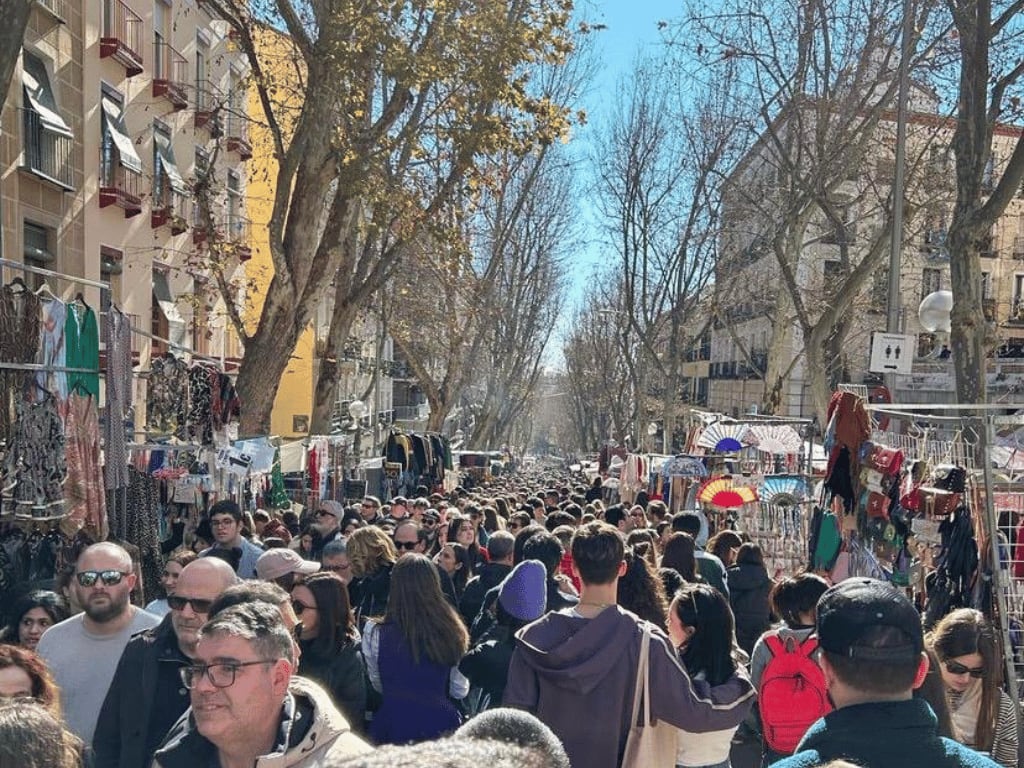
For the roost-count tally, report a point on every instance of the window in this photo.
(117, 150)
(37, 250)
(167, 181)
(202, 87)
(986, 285)
(111, 266)
(47, 137)
(234, 204)
(160, 38)
(1017, 311)
(931, 281)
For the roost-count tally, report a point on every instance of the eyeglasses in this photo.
(430, 522)
(324, 513)
(408, 546)
(298, 606)
(109, 578)
(220, 675)
(222, 522)
(367, 506)
(336, 568)
(956, 668)
(177, 603)
(636, 514)
(513, 526)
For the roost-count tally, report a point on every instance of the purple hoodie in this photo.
(578, 675)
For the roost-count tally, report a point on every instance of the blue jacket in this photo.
(882, 735)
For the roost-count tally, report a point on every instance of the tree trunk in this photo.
(266, 355)
(967, 322)
(13, 21)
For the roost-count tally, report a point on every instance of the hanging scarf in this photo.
(278, 498)
(963, 711)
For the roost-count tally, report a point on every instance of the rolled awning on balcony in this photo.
(39, 96)
(166, 158)
(113, 121)
(165, 299)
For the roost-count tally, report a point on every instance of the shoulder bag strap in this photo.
(640, 689)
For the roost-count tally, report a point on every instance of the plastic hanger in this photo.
(45, 289)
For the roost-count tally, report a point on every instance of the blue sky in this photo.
(632, 25)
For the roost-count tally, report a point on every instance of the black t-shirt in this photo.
(170, 700)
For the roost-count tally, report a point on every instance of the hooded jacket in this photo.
(578, 675)
(312, 734)
(881, 735)
(749, 587)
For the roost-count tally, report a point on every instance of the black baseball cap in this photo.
(851, 608)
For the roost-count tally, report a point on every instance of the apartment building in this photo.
(757, 325)
(117, 110)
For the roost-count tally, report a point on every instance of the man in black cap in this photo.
(872, 654)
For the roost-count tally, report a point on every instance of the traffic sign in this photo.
(892, 353)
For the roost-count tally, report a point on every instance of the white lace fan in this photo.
(722, 437)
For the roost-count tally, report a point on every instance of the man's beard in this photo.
(101, 614)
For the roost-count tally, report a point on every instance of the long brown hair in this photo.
(44, 689)
(417, 606)
(679, 554)
(336, 623)
(961, 633)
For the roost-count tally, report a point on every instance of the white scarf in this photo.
(964, 709)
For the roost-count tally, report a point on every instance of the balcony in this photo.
(122, 36)
(239, 236)
(170, 75)
(238, 135)
(170, 208)
(1017, 311)
(1018, 247)
(56, 8)
(120, 186)
(207, 114)
(47, 154)
(412, 412)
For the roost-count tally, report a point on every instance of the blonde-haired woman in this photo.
(372, 555)
(984, 716)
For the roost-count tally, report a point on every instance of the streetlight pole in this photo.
(892, 320)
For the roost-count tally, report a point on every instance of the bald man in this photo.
(82, 652)
(146, 696)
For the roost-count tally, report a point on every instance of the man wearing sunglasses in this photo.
(247, 708)
(82, 652)
(146, 696)
(873, 658)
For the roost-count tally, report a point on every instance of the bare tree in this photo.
(370, 92)
(818, 79)
(660, 163)
(988, 37)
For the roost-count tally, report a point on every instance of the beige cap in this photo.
(275, 563)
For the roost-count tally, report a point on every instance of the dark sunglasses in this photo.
(406, 545)
(177, 603)
(956, 668)
(429, 521)
(324, 513)
(298, 606)
(109, 578)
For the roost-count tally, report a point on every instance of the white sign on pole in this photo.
(892, 353)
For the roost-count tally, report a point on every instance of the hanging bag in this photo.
(650, 744)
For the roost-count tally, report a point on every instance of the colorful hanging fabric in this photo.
(82, 349)
(278, 497)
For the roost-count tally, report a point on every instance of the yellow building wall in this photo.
(295, 393)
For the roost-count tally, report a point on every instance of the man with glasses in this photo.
(146, 697)
(369, 510)
(409, 537)
(82, 652)
(247, 707)
(334, 558)
(226, 524)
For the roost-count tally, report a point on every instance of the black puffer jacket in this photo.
(342, 674)
(749, 587)
(369, 594)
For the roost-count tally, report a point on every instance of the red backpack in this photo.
(793, 693)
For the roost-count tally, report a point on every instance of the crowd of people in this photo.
(517, 624)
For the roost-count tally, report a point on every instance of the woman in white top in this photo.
(702, 628)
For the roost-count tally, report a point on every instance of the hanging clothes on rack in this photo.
(120, 397)
(201, 381)
(82, 348)
(35, 460)
(83, 490)
(135, 518)
(51, 350)
(19, 343)
(167, 395)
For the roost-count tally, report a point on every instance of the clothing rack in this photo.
(177, 346)
(58, 275)
(41, 367)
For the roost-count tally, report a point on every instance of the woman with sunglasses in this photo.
(984, 716)
(700, 624)
(329, 642)
(412, 656)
